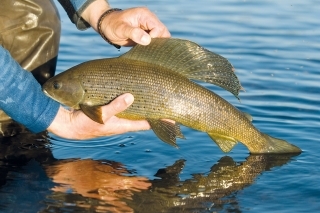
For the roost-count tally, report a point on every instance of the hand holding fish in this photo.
(125, 27)
(76, 125)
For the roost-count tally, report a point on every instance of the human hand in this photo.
(126, 27)
(76, 125)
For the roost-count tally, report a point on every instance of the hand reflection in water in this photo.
(95, 179)
(108, 182)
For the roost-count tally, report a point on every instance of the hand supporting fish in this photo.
(158, 75)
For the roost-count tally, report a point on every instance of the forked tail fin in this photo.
(275, 145)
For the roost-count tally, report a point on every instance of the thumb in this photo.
(116, 106)
(139, 36)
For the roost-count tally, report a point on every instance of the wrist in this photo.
(94, 11)
(60, 124)
(99, 26)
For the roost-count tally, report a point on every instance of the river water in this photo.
(275, 48)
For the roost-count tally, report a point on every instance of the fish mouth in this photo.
(46, 93)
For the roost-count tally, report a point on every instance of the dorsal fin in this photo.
(248, 116)
(190, 60)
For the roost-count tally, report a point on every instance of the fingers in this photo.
(134, 25)
(131, 126)
(141, 36)
(118, 105)
(149, 26)
(138, 35)
(117, 125)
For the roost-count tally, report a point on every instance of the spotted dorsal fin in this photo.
(190, 60)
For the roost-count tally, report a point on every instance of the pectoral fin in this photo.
(166, 130)
(225, 143)
(93, 112)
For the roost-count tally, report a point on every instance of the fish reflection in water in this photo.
(109, 182)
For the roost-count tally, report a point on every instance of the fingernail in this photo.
(129, 99)
(145, 39)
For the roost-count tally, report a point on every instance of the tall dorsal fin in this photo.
(190, 60)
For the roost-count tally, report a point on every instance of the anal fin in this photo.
(166, 130)
(93, 112)
(225, 143)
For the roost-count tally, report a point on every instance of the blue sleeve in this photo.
(21, 96)
(74, 9)
(78, 4)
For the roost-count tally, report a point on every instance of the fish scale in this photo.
(161, 93)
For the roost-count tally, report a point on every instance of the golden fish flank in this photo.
(158, 75)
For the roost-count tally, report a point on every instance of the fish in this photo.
(162, 77)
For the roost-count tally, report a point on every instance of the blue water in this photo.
(275, 48)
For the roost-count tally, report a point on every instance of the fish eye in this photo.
(56, 85)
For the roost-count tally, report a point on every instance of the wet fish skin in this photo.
(160, 93)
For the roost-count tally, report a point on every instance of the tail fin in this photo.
(275, 145)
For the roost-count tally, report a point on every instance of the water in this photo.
(275, 48)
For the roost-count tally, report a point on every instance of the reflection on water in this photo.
(86, 185)
(101, 180)
(109, 182)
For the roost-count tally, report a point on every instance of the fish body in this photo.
(163, 93)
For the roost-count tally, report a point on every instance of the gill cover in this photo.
(65, 88)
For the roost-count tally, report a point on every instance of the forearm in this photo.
(21, 96)
(93, 12)
(77, 11)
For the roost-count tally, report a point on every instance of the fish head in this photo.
(65, 88)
